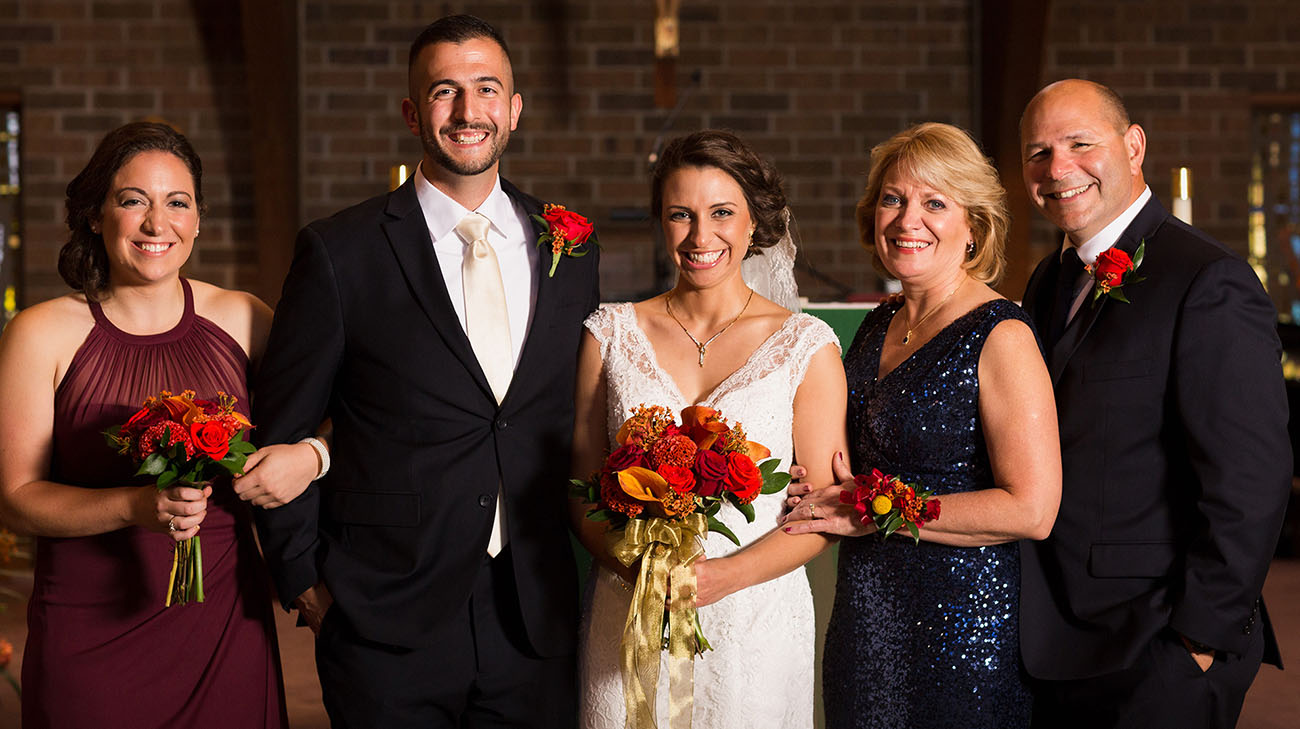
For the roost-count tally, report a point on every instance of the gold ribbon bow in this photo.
(666, 550)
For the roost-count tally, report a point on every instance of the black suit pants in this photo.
(1163, 689)
(478, 672)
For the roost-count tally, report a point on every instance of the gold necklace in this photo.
(912, 327)
(668, 304)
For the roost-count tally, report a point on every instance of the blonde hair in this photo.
(944, 157)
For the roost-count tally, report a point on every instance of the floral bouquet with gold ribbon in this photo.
(661, 490)
(184, 441)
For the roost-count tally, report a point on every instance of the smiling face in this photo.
(462, 107)
(1082, 166)
(921, 233)
(706, 224)
(149, 218)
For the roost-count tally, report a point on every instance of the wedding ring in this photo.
(171, 525)
(812, 509)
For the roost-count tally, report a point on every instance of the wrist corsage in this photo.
(890, 504)
(1113, 270)
(566, 232)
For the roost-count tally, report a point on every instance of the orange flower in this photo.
(702, 425)
(6, 653)
(675, 450)
(645, 425)
(645, 486)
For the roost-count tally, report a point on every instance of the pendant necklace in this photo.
(668, 304)
(912, 327)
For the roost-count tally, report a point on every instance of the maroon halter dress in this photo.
(102, 651)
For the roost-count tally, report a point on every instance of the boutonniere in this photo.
(566, 232)
(1113, 270)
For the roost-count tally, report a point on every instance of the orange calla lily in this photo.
(757, 451)
(646, 486)
(183, 407)
(701, 425)
(621, 438)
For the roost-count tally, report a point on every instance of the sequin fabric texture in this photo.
(924, 635)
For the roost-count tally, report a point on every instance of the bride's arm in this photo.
(589, 438)
(819, 407)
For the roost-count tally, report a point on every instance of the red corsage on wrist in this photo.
(891, 504)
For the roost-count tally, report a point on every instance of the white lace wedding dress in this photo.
(760, 671)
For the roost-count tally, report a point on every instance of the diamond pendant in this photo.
(907, 337)
(702, 350)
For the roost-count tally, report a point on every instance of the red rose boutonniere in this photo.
(566, 232)
(1113, 270)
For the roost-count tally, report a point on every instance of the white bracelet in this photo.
(322, 452)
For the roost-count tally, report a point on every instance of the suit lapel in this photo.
(408, 235)
(547, 288)
(1143, 227)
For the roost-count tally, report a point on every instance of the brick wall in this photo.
(82, 68)
(1189, 80)
(812, 84)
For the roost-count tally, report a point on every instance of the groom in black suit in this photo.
(1142, 609)
(433, 561)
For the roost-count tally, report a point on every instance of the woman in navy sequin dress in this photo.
(947, 389)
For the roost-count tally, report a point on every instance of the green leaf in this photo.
(916, 533)
(747, 510)
(153, 465)
(165, 479)
(1119, 296)
(1140, 254)
(775, 483)
(242, 447)
(599, 515)
(713, 508)
(719, 527)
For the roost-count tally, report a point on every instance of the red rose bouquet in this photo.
(661, 490)
(1113, 270)
(181, 440)
(890, 503)
(565, 231)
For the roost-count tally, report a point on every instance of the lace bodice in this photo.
(760, 394)
(760, 672)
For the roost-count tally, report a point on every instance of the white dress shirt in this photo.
(1104, 240)
(511, 237)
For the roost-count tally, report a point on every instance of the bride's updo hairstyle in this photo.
(945, 158)
(83, 260)
(759, 180)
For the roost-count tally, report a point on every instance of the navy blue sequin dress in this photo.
(924, 635)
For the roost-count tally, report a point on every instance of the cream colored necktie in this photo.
(488, 326)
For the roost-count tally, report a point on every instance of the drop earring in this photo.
(970, 249)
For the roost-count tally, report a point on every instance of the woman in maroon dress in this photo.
(101, 648)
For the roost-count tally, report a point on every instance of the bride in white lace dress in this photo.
(712, 341)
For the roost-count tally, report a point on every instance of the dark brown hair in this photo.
(758, 179)
(83, 260)
(455, 29)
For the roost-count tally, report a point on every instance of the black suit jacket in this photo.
(365, 334)
(1175, 458)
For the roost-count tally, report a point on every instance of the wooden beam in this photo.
(270, 39)
(1011, 42)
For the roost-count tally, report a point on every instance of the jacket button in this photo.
(502, 425)
(485, 500)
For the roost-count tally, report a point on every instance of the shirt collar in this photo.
(1109, 235)
(442, 214)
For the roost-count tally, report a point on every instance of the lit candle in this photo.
(1182, 194)
(396, 176)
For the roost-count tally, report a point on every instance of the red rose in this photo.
(681, 479)
(625, 457)
(568, 225)
(1111, 266)
(207, 406)
(211, 439)
(931, 510)
(710, 472)
(743, 477)
(140, 422)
